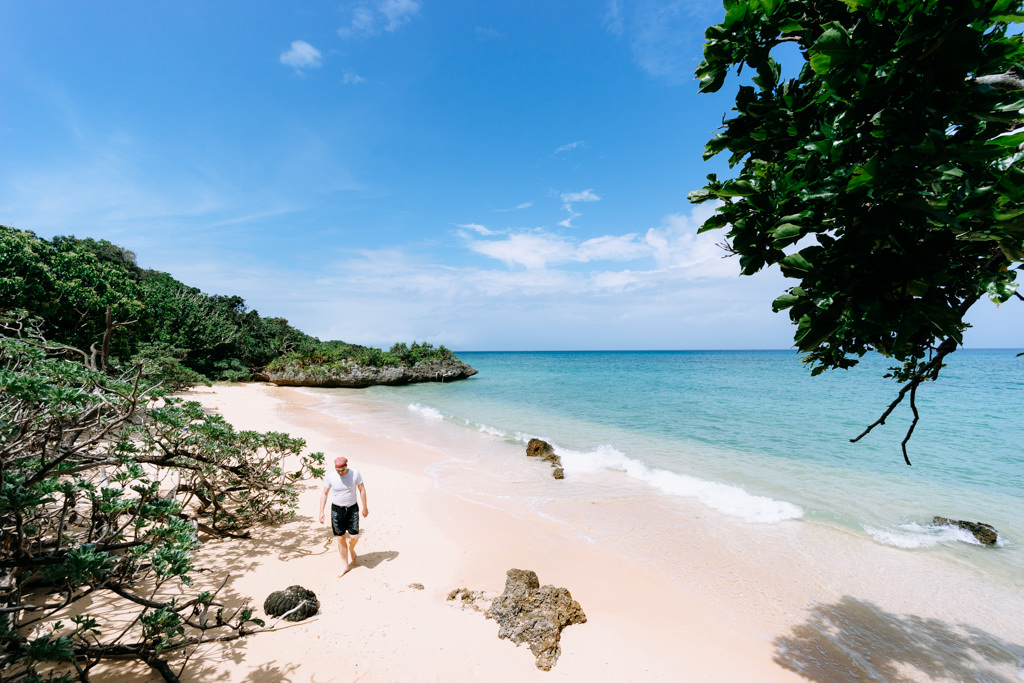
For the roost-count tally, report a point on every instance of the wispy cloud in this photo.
(571, 146)
(584, 196)
(613, 17)
(517, 207)
(478, 229)
(570, 198)
(552, 291)
(536, 289)
(532, 251)
(486, 33)
(369, 19)
(661, 33)
(301, 56)
(352, 78)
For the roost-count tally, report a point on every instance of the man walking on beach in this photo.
(340, 485)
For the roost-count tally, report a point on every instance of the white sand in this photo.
(373, 626)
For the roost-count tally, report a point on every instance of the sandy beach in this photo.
(375, 625)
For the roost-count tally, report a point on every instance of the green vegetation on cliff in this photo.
(341, 356)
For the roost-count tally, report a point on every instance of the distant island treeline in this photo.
(93, 297)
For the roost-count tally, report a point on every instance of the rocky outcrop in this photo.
(467, 599)
(985, 533)
(302, 600)
(543, 450)
(534, 614)
(366, 376)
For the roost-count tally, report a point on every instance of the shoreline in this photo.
(374, 627)
(672, 590)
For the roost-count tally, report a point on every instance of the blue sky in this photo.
(484, 175)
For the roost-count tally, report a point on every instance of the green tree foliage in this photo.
(103, 494)
(341, 355)
(84, 298)
(92, 295)
(885, 178)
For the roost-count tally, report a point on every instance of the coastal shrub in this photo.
(105, 485)
(335, 355)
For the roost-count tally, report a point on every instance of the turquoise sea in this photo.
(685, 421)
(752, 444)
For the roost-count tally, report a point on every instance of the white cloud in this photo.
(477, 228)
(571, 146)
(585, 196)
(571, 198)
(676, 244)
(301, 56)
(661, 33)
(530, 250)
(351, 78)
(398, 12)
(517, 207)
(488, 33)
(362, 20)
(613, 17)
(612, 248)
(537, 249)
(384, 15)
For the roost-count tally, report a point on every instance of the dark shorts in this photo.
(345, 520)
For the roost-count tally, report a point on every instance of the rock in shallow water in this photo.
(985, 533)
(537, 448)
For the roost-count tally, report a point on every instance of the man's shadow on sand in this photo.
(854, 640)
(371, 560)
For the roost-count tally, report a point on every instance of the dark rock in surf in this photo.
(280, 602)
(537, 448)
(530, 613)
(985, 533)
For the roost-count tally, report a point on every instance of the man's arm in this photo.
(362, 493)
(323, 502)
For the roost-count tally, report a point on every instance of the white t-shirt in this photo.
(343, 489)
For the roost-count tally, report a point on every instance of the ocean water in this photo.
(757, 448)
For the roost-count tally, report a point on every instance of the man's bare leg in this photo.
(343, 552)
(352, 540)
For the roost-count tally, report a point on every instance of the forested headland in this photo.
(93, 297)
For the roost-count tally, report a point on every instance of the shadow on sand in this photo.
(272, 673)
(853, 640)
(371, 560)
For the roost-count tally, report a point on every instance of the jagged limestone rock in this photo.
(535, 614)
(279, 602)
(467, 599)
(537, 448)
(985, 533)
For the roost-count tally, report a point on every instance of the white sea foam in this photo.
(426, 411)
(912, 535)
(726, 498)
(487, 429)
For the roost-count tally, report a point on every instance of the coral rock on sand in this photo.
(985, 533)
(535, 614)
(280, 602)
